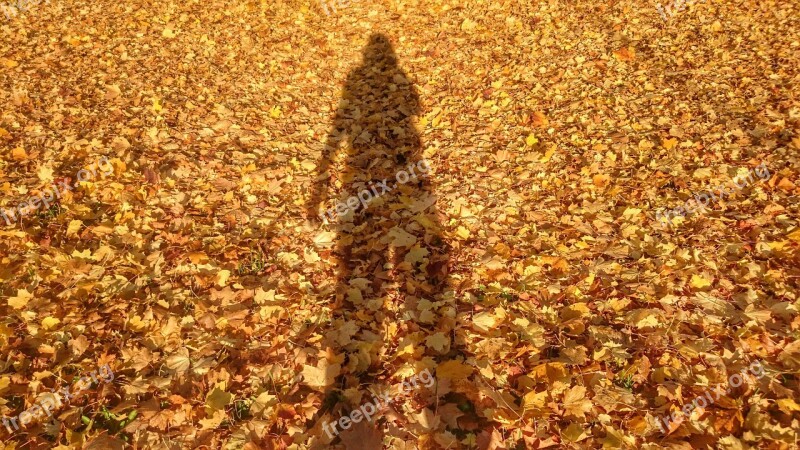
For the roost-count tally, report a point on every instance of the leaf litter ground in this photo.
(526, 271)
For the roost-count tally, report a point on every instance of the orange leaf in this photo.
(539, 119)
(625, 54)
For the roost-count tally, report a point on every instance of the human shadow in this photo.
(390, 258)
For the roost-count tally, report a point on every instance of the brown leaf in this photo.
(490, 441)
(104, 442)
(362, 436)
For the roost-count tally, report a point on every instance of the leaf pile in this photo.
(528, 271)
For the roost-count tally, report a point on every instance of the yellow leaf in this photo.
(5, 382)
(438, 342)
(468, 25)
(531, 140)
(416, 255)
(699, 282)
(45, 174)
(218, 399)
(157, 105)
(574, 433)
(308, 165)
(615, 439)
(406, 347)
(548, 154)
(552, 372)
(485, 321)
(453, 370)
(534, 401)
(401, 238)
(575, 311)
(575, 402)
(21, 299)
(73, 227)
(214, 421)
(275, 112)
(630, 213)
(644, 318)
(703, 173)
(261, 404)
(669, 144)
(794, 235)
(320, 378)
(263, 296)
(462, 233)
(788, 405)
(136, 323)
(168, 33)
(50, 323)
(325, 239)
(777, 245)
(179, 361)
(222, 277)
(113, 91)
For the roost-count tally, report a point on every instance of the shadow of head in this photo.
(379, 48)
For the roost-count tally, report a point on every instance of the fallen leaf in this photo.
(320, 377)
(698, 282)
(575, 402)
(362, 435)
(453, 370)
(19, 154)
(20, 300)
(50, 323)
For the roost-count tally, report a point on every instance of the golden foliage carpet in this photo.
(529, 274)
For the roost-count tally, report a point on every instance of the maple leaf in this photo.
(218, 399)
(539, 119)
(699, 282)
(50, 323)
(20, 300)
(362, 436)
(105, 442)
(575, 402)
(453, 370)
(320, 377)
(179, 361)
